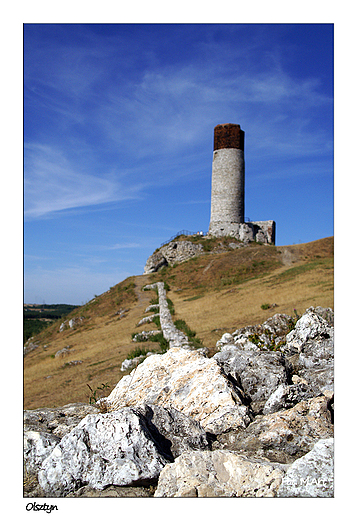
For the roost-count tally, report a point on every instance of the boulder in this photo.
(311, 475)
(104, 449)
(57, 421)
(287, 396)
(187, 381)
(36, 447)
(173, 253)
(219, 473)
(174, 431)
(270, 335)
(285, 435)
(258, 373)
(65, 351)
(310, 328)
(310, 347)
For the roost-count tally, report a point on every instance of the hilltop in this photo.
(223, 289)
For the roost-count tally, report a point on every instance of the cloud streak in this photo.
(53, 183)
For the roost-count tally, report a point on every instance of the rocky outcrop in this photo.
(285, 435)
(219, 473)
(173, 253)
(103, 449)
(311, 475)
(257, 373)
(56, 421)
(185, 380)
(255, 420)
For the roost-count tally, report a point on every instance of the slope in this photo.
(217, 292)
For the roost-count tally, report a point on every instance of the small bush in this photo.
(265, 306)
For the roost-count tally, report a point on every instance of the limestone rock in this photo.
(29, 347)
(104, 449)
(174, 431)
(269, 335)
(311, 475)
(36, 447)
(288, 434)
(287, 396)
(311, 347)
(173, 253)
(310, 327)
(155, 262)
(57, 421)
(185, 380)
(128, 364)
(226, 339)
(219, 473)
(257, 373)
(63, 352)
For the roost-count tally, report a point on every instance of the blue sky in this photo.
(118, 140)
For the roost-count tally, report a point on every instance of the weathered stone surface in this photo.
(287, 396)
(58, 421)
(174, 431)
(185, 380)
(309, 328)
(36, 447)
(219, 473)
(181, 405)
(147, 319)
(311, 475)
(29, 346)
(174, 252)
(310, 347)
(288, 434)
(104, 449)
(257, 373)
(63, 352)
(270, 334)
(174, 336)
(128, 364)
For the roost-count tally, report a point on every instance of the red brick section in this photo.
(228, 136)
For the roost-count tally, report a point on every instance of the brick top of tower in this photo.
(228, 136)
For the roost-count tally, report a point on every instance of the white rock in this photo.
(219, 473)
(185, 380)
(36, 447)
(311, 475)
(104, 449)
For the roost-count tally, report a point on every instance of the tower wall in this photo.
(227, 196)
(228, 173)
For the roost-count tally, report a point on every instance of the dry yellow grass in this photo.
(208, 293)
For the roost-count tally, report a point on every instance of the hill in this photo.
(219, 291)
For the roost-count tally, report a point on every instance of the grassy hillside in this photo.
(218, 292)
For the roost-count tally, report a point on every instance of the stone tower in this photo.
(227, 195)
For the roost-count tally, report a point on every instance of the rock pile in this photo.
(255, 420)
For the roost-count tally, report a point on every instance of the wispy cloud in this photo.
(52, 183)
(152, 121)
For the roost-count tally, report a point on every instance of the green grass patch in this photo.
(191, 334)
(138, 351)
